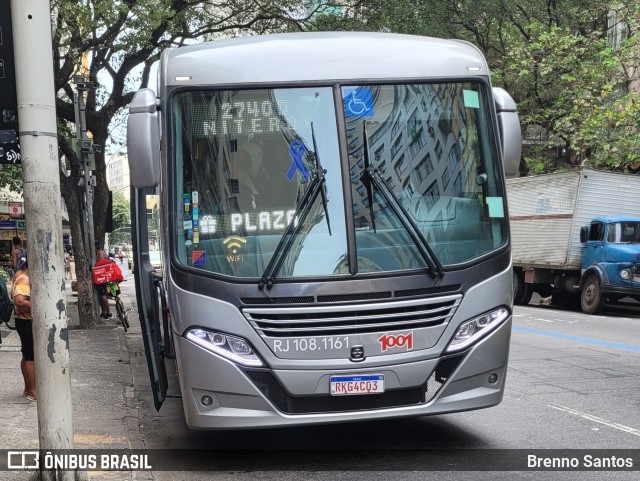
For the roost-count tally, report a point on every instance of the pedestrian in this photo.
(121, 256)
(67, 264)
(21, 293)
(17, 251)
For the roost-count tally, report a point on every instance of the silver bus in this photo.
(333, 226)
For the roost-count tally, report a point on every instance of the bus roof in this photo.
(318, 56)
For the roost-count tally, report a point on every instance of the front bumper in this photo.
(243, 398)
(625, 290)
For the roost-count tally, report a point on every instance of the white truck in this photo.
(576, 237)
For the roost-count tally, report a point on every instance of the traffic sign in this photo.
(15, 209)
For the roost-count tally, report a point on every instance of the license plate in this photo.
(636, 279)
(351, 385)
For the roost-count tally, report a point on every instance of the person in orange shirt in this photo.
(21, 293)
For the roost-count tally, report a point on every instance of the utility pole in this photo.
(86, 148)
(41, 183)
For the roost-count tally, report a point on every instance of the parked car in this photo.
(155, 257)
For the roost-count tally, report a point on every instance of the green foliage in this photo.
(11, 177)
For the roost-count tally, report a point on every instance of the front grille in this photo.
(273, 390)
(428, 290)
(353, 318)
(278, 300)
(363, 296)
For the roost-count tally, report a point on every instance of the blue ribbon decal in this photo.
(297, 151)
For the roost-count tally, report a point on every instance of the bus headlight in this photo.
(233, 348)
(470, 331)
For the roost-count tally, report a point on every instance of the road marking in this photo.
(574, 338)
(596, 419)
(543, 320)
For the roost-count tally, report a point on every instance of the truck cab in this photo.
(610, 261)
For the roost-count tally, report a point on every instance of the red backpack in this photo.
(106, 271)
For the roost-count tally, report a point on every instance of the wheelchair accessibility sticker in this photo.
(358, 102)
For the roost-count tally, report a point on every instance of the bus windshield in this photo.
(244, 160)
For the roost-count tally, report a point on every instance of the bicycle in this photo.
(113, 292)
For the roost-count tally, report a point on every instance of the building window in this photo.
(399, 166)
(395, 128)
(432, 194)
(457, 185)
(424, 168)
(454, 157)
(445, 178)
(438, 150)
(617, 30)
(378, 153)
(397, 146)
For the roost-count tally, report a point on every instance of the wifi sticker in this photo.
(234, 242)
(197, 258)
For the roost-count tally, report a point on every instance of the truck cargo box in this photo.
(547, 211)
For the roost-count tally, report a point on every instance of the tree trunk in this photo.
(87, 311)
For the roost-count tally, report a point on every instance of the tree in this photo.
(11, 177)
(121, 220)
(122, 39)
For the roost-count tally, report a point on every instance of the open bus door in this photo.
(143, 150)
(146, 295)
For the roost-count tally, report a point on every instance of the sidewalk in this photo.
(105, 409)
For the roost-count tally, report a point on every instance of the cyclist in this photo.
(106, 275)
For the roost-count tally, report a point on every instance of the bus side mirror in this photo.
(584, 234)
(143, 140)
(509, 131)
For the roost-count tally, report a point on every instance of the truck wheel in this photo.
(522, 291)
(591, 299)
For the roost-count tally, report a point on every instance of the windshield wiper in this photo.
(373, 181)
(317, 186)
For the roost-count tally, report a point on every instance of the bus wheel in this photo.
(522, 291)
(591, 299)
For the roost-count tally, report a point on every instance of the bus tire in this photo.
(591, 299)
